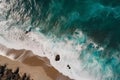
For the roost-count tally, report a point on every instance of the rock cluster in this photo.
(57, 57)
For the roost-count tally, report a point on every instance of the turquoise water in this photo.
(99, 20)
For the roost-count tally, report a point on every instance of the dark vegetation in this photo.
(9, 74)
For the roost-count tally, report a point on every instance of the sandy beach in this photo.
(39, 68)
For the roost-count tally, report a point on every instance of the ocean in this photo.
(84, 33)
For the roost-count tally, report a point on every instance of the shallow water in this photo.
(85, 33)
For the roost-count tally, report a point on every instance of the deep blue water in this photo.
(97, 19)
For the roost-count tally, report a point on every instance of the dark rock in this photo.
(68, 66)
(57, 58)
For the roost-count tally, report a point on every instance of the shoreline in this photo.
(26, 60)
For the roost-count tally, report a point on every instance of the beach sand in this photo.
(39, 68)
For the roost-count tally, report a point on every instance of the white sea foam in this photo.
(43, 46)
(14, 37)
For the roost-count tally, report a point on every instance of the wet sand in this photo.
(37, 67)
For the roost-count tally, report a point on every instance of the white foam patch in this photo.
(43, 46)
